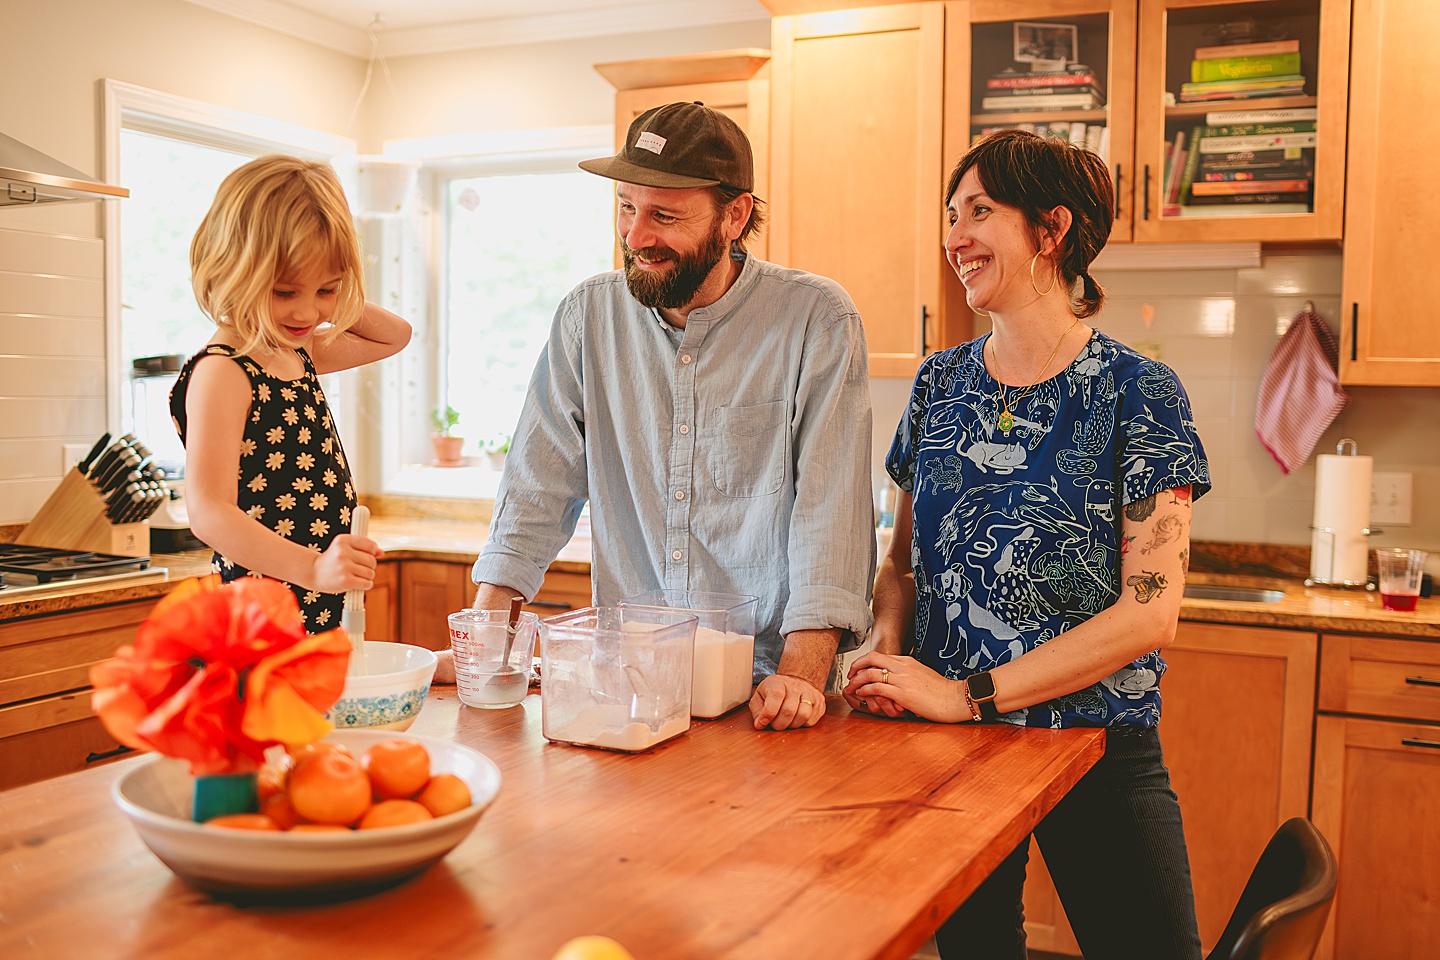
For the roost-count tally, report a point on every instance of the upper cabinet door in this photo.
(1059, 68)
(1240, 120)
(856, 166)
(1392, 217)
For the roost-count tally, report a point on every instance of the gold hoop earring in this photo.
(1054, 278)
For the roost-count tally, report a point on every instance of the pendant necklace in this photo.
(1006, 422)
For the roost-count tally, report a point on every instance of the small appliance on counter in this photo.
(170, 523)
(25, 568)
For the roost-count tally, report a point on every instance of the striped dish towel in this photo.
(1300, 393)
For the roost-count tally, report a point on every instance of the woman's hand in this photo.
(347, 564)
(888, 685)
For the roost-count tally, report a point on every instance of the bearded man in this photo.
(712, 409)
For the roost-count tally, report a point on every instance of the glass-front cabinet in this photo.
(1059, 68)
(1240, 120)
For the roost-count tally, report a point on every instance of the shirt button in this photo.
(675, 555)
(679, 494)
(684, 429)
(685, 358)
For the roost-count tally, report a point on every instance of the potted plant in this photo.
(447, 444)
(495, 449)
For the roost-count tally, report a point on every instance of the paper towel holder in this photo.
(1367, 583)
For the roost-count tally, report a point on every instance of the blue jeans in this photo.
(1116, 851)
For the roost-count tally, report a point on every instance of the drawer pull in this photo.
(1423, 681)
(1412, 742)
(93, 757)
(549, 604)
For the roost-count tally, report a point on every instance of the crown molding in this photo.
(635, 16)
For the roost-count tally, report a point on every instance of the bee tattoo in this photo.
(1147, 587)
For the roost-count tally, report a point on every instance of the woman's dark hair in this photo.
(1035, 175)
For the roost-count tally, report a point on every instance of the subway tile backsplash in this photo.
(1217, 329)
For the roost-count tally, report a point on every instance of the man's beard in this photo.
(677, 286)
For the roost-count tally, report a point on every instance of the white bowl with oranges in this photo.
(323, 856)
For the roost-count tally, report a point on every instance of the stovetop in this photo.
(22, 565)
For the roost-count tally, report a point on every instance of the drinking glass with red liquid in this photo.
(1400, 573)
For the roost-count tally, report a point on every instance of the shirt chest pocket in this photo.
(749, 457)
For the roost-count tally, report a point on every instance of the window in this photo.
(515, 241)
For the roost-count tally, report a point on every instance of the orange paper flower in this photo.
(219, 673)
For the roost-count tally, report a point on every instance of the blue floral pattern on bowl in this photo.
(378, 711)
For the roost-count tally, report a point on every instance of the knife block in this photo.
(73, 518)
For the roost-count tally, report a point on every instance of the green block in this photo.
(221, 794)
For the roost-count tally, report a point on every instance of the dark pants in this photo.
(1116, 851)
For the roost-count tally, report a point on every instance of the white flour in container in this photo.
(609, 726)
(724, 663)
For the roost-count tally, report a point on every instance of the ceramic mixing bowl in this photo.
(392, 690)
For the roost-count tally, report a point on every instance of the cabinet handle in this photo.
(1354, 328)
(1118, 180)
(924, 333)
(1412, 742)
(1147, 191)
(93, 757)
(1423, 681)
(549, 604)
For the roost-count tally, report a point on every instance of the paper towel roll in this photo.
(1339, 547)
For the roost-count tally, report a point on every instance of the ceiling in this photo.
(409, 27)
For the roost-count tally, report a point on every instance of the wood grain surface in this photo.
(853, 839)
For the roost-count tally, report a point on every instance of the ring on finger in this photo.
(806, 702)
(884, 675)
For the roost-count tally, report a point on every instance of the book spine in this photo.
(1268, 142)
(1094, 134)
(1257, 129)
(1044, 91)
(1057, 101)
(1192, 161)
(1238, 68)
(1030, 81)
(1283, 115)
(1248, 158)
(1263, 49)
(1237, 199)
(1288, 82)
(1205, 188)
(1178, 156)
(1281, 171)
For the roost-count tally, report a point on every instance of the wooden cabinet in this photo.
(1392, 212)
(561, 592)
(429, 592)
(1236, 727)
(382, 603)
(856, 166)
(735, 82)
(46, 725)
(1377, 795)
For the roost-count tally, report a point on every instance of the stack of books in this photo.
(1092, 136)
(1258, 161)
(1244, 71)
(1074, 88)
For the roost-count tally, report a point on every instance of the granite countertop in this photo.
(459, 540)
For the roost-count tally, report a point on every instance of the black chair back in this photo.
(1286, 901)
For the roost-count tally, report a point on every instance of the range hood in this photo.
(28, 176)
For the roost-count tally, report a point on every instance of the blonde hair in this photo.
(274, 216)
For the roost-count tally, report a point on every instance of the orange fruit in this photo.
(330, 787)
(243, 821)
(397, 768)
(393, 813)
(319, 828)
(279, 808)
(269, 781)
(445, 793)
(304, 750)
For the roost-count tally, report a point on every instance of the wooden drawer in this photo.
(45, 738)
(560, 593)
(49, 655)
(1381, 676)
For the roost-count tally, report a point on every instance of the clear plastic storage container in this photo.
(617, 678)
(724, 645)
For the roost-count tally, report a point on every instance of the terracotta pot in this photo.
(447, 451)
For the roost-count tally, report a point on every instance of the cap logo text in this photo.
(648, 141)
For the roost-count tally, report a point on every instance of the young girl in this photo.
(276, 265)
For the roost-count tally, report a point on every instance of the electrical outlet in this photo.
(1390, 499)
(73, 454)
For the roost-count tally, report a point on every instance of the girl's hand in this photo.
(347, 564)
(889, 685)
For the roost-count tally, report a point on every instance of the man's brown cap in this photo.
(681, 145)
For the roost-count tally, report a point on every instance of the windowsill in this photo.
(471, 481)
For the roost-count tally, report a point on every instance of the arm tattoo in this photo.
(1167, 528)
(1185, 561)
(1148, 585)
(1140, 509)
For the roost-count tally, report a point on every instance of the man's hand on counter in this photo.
(488, 596)
(783, 702)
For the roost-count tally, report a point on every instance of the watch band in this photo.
(980, 688)
(969, 704)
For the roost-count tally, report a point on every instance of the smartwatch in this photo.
(982, 693)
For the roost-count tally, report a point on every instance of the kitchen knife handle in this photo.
(95, 451)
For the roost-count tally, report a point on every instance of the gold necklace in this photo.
(1006, 423)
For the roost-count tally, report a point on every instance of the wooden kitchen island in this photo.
(853, 839)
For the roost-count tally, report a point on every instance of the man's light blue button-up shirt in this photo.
(731, 456)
